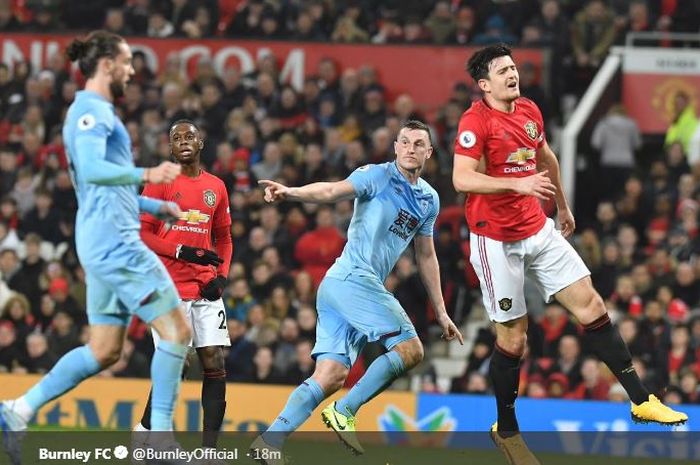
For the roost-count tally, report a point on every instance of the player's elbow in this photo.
(460, 184)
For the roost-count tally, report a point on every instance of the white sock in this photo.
(22, 409)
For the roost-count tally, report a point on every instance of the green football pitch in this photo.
(319, 449)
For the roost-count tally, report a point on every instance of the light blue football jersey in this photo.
(104, 176)
(389, 212)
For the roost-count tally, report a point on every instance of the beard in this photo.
(117, 89)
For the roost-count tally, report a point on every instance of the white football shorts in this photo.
(546, 257)
(208, 322)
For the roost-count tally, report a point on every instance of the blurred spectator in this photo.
(10, 354)
(617, 137)
(389, 30)
(684, 121)
(347, 31)
(39, 359)
(239, 359)
(568, 360)
(285, 347)
(8, 238)
(593, 32)
(8, 22)
(441, 23)
(264, 371)
(495, 31)
(18, 312)
(159, 26)
(271, 164)
(679, 354)
(554, 326)
(317, 250)
(594, 386)
(465, 27)
(43, 218)
(63, 335)
(116, 23)
(689, 387)
(9, 267)
(238, 300)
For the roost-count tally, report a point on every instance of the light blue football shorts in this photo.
(130, 280)
(354, 311)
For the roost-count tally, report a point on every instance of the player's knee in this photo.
(184, 333)
(416, 355)
(514, 344)
(106, 355)
(411, 352)
(593, 308)
(212, 358)
(336, 382)
(331, 380)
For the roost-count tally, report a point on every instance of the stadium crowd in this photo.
(641, 246)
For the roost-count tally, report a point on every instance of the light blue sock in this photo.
(69, 371)
(300, 405)
(380, 374)
(166, 372)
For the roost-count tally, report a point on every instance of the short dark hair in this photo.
(98, 44)
(183, 121)
(478, 64)
(415, 124)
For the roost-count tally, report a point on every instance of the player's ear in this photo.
(108, 64)
(484, 85)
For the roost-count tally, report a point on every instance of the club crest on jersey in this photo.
(424, 205)
(531, 130)
(505, 304)
(209, 197)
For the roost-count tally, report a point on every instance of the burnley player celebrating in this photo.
(503, 162)
(198, 272)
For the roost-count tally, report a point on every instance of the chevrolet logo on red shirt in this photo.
(194, 217)
(521, 156)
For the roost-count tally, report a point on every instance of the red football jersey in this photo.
(508, 142)
(205, 207)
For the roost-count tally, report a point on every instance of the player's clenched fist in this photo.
(164, 173)
(197, 255)
(273, 190)
(538, 185)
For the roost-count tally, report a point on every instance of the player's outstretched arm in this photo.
(547, 163)
(429, 271)
(318, 192)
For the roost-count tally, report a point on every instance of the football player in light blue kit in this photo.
(123, 276)
(393, 206)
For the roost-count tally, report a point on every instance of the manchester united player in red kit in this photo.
(503, 162)
(199, 273)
